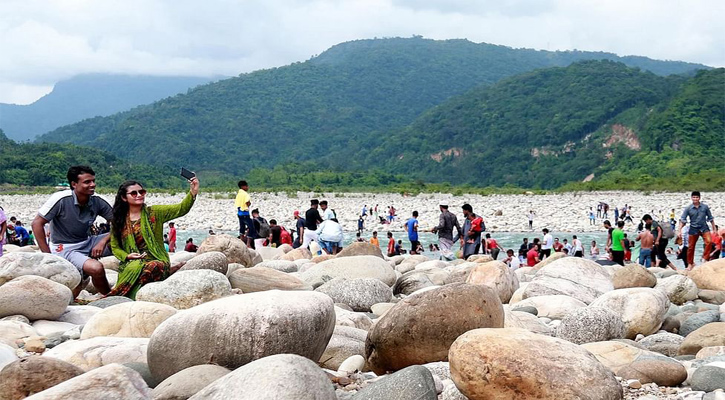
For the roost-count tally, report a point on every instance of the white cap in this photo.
(443, 203)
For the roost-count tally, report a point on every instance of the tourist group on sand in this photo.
(65, 225)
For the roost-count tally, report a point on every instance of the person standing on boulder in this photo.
(71, 213)
(699, 215)
(242, 202)
(446, 223)
(618, 243)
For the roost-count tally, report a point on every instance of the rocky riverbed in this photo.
(566, 212)
(235, 323)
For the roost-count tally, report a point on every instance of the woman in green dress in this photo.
(137, 236)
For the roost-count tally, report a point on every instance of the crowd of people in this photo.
(65, 225)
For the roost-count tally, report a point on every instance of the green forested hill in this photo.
(543, 129)
(332, 109)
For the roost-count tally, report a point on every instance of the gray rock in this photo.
(236, 330)
(48, 266)
(451, 392)
(79, 315)
(590, 324)
(186, 289)
(679, 288)
(641, 309)
(345, 342)
(34, 297)
(109, 301)
(696, 321)
(441, 369)
(279, 265)
(664, 343)
(54, 339)
(143, 369)
(360, 294)
(7, 355)
(281, 376)
(188, 382)
(19, 318)
(411, 282)
(528, 309)
(212, 260)
(414, 382)
(114, 381)
(577, 277)
(708, 378)
(354, 319)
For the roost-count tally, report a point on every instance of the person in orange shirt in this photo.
(374, 240)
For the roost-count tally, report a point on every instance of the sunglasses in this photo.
(136, 193)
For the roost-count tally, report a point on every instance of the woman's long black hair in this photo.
(120, 210)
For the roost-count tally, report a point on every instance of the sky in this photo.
(45, 41)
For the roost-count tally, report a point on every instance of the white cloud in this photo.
(42, 41)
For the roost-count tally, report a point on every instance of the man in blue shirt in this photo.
(21, 233)
(699, 215)
(412, 227)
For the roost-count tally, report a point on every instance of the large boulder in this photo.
(269, 253)
(678, 288)
(712, 334)
(7, 355)
(591, 324)
(420, 328)
(710, 275)
(548, 260)
(514, 363)
(633, 275)
(552, 307)
(188, 382)
(113, 381)
(236, 330)
(642, 309)
(414, 280)
(350, 268)
(497, 276)
(709, 378)
(345, 342)
(109, 301)
(361, 249)
(414, 382)
(180, 258)
(132, 319)
(260, 279)
(576, 277)
(99, 351)
(32, 375)
(353, 319)
(48, 266)
(34, 297)
(360, 294)
(235, 250)
(186, 289)
(212, 260)
(280, 376)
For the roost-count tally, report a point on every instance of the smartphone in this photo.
(187, 174)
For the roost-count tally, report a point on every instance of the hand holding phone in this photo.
(187, 174)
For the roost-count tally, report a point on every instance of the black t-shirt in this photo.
(276, 234)
(300, 226)
(312, 217)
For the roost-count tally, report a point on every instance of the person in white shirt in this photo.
(547, 245)
(327, 213)
(511, 260)
(577, 247)
(330, 236)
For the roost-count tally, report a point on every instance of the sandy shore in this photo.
(559, 212)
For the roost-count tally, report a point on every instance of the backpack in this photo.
(667, 231)
(263, 231)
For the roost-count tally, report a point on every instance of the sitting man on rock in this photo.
(71, 214)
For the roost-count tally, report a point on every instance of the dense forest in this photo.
(416, 114)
